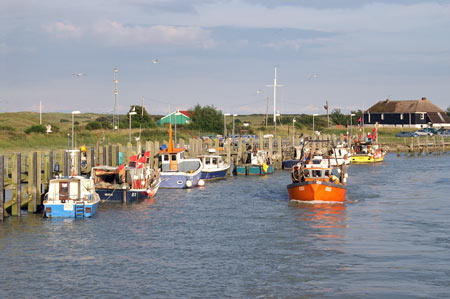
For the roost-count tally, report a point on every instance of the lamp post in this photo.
(73, 114)
(129, 116)
(293, 126)
(225, 124)
(234, 115)
(351, 127)
(314, 132)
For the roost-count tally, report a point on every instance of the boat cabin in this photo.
(175, 161)
(212, 161)
(70, 189)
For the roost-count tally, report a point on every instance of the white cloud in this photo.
(120, 34)
(64, 30)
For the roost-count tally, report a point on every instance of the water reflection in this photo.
(328, 220)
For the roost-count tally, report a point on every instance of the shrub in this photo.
(62, 120)
(7, 128)
(94, 125)
(35, 129)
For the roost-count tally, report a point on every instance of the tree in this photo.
(448, 111)
(338, 118)
(139, 119)
(207, 119)
(36, 129)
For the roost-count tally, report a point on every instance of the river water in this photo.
(241, 238)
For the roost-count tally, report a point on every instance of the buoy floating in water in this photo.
(201, 183)
(189, 184)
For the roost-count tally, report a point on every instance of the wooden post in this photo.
(239, 153)
(398, 151)
(155, 155)
(2, 187)
(66, 164)
(261, 141)
(228, 149)
(216, 145)
(92, 156)
(110, 155)
(78, 157)
(279, 157)
(129, 151)
(51, 165)
(105, 155)
(32, 182)
(270, 153)
(18, 184)
(39, 190)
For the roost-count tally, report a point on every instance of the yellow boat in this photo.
(366, 152)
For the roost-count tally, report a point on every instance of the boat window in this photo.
(306, 173)
(174, 157)
(214, 161)
(327, 173)
(317, 173)
(166, 157)
(207, 161)
(182, 155)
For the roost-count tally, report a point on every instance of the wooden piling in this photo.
(17, 211)
(110, 155)
(2, 188)
(105, 155)
(66, 164)
(51, 165)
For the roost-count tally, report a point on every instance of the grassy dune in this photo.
(13, 138)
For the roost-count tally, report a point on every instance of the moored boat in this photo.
(213, 166)
(177, 171)
(134, 181)
(258, 163)
(71, 197)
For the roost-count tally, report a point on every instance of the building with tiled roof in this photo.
(410, 113)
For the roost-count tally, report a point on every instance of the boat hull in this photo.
(178, 180)
(317, 191)
(253, 170)
(366, 159)
(209, 175)
(69, 210)
(288, 164)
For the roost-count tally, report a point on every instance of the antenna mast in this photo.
(115, 112)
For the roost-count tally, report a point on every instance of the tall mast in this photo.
(115, 112)
(275, 85)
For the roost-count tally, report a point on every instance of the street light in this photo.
(293, 126)
(73, 113)
(313, 122)
(234, 115)
(225, 124)
(130, 114)
(351, 127)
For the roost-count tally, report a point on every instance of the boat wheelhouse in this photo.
(176, 170)
(213, 166)
(130, 182)
(367, 152)
(71, 197)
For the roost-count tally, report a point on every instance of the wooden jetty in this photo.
(424, 146)
(26, 175)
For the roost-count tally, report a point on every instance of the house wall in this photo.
(394, 119)
(181, 119)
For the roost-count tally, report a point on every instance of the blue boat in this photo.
(71, 197)
(257, 164)
(214, 167)
(135, 181)
(177, 171)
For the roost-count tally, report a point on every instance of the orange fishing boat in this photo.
(316, 181)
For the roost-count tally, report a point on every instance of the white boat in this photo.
(71, 197)
(213, 166)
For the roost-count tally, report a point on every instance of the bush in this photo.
(62, 120)
(36, 129)
(94, 125)
(7, 128)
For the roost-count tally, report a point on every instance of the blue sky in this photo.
(220, 52)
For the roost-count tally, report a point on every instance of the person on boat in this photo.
(334, 179)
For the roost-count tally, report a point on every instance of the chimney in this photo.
(424, 98)
(387, 101)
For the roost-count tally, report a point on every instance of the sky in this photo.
(351, 53)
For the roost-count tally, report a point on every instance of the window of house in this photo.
(422, 116)
(401, 116)
(382, 116)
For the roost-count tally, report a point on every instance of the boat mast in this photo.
(275, 85)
